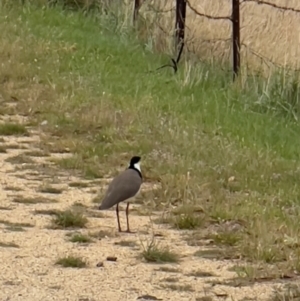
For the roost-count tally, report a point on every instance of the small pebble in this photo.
(111, 258)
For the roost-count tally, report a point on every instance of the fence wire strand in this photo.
(189, 41)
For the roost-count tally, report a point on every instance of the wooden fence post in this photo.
(236, 43)
(180, 23)
(137, 4)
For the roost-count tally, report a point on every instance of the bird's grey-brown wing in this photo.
(123, 187)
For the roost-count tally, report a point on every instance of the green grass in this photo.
(231, 149)
(80, 238)
(69, 219)
(71, 262)
(187, 218)
(153, 253)
(13, 129)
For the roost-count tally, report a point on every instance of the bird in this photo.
(123, 188)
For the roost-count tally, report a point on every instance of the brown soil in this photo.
(29, 272)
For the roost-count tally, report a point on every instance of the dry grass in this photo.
(169, 269)
(33, 200)
(5, 208)
(50, 189)
(204, 298)
(102, 234)
(37, 153)
(288, 293)
(178, 287)
(266, 33)
(14, 224)
(13, 188)
(79, 184)
(220, 254)
(19, 159)
(126, 243)
(3, 149)
(46, 211)
(15, 229)
(200, 274)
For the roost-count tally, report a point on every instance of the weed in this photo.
(187, 221)
(80, 238)
(71, 262)
(155, 254)
(69, 219)
(225, 238)
(13, 129)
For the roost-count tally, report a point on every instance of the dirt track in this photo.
(28, 271)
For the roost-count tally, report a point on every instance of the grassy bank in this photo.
(232, 151)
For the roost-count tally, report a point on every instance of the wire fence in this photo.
(180, 9)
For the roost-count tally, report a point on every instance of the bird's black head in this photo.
(134, 160)
(135, 164)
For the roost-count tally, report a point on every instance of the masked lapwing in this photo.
(123, 188)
